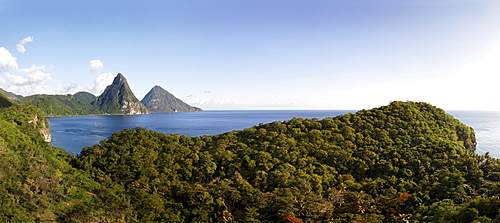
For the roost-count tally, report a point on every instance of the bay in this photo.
(74, 133)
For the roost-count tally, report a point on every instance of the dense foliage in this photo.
(5, 102)
(61, 105)
(405, 162)
(85, 97)
(402, 162)
(36, 180)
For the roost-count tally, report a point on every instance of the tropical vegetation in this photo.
(62, 105)
(405, 162)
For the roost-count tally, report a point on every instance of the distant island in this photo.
(117, 98)
(160, 100)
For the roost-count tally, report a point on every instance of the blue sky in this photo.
(259, 54)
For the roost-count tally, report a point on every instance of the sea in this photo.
(75, 132)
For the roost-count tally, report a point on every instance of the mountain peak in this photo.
(118, 98)
(119, 79)
(160, 100)
(157, 88)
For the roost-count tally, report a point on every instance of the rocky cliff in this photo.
(42, 125)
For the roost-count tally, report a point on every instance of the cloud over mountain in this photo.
(96, 66)
(29, 81)
(25, 80)
(101, 82)
(70, 89)
(20, 46)
(7, 61)
(36, 74)
(35, 79)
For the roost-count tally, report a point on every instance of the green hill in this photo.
(62, 105)
(37, 183)
(406, 162)
(5, 102)
(160, 100)
(10, 95)
(118, 98)
(85, 97)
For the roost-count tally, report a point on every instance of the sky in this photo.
(259, 54)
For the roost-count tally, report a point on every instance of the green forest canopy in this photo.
(63, 105)
(407, 161)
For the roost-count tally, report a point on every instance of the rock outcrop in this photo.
(42, 125)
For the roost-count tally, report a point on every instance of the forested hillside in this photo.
(398, 163)
(85, 97)
(62, 105)
(10, 95)
(36, 181)
(405, 162)
(4, 101)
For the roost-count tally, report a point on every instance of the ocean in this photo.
(75, 132)
(486, 125)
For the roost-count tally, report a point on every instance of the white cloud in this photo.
(23, 86)
(25, 81)
(70, 89)
(20, 45)
(36, 74)
(7, 61)
(96, 65)
(101, 82)
(16, 80)
(30, 81)
(209, 102)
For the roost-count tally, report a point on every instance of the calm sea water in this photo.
(74, 133)
(486, 125)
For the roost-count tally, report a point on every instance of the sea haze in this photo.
(74, 133)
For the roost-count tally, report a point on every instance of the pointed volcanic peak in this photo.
(118, 98)
(120, 79)
(160, 100)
